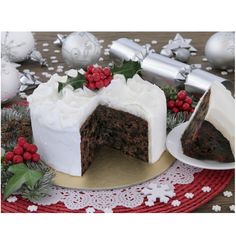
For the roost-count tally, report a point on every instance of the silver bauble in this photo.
(10, 82)
(16, 46)
(81, 49)
(220, 50)
(182, 54)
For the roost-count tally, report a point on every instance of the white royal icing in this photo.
(221, 112)
(57, 117)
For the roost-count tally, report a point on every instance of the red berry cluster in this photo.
(182, 103)
(98, 77)
(23, 151)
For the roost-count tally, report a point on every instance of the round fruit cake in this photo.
(68, 126)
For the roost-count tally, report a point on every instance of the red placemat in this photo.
(216, 180)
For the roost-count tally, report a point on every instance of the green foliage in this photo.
(170, 92)
(21, 175)
(76, 82)
(174, 119)
(128, 69)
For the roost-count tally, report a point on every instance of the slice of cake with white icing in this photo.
(68, 126)
(210, 133)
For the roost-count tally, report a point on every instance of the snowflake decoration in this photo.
(32, 208)
(216, 208)
(176, 203)
(12, 199)
(189, 195)
(90, 210)
(149, 203)
(154, 191)
(227, 194)
(107, 210)
(206, 189)
(232, 208)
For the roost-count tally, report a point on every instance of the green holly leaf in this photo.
(22, 175)
(76, 82)
(128, 69)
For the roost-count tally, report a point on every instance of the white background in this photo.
(120, 15)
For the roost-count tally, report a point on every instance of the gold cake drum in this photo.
(111, 169)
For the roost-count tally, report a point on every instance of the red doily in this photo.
(217, 180)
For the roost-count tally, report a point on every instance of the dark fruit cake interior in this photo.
(201, 140)
(117, 129)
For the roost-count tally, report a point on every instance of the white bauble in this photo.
(10, 82)
(219, 50)
(80, 49)
(17, 46)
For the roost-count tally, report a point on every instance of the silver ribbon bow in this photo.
(37, 56)
(185, 71)
(28, 81)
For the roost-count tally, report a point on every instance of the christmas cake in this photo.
(68, 126)
(210, 132)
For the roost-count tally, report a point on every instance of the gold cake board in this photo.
(111, 169)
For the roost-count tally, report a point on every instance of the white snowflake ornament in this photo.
(32, 208)
(216, 208)
(232, 208)
(176, 203)
(12, 199)
(227, 194)
(189, 195)
(206, 189)
(155, 191)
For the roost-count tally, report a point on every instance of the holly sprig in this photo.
(128, 69)
(15, 178)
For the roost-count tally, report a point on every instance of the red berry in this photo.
(181, 94)
(175, 110)
(32, 148)
(97, 70)
(90, 78)
(18, 150)
(35, 157)
(90, 69)
(106, 82)
(170, 104)
(106, 71)
(21, 141)
(99, 84)
(91, 85)
(17, 159)
(9, 156)
(27, 156)
(185, 106)
(179, 103)
(192, 110)
(96, 77)
(26, 146)
(110, 78)
(188, 100)
(102, 76)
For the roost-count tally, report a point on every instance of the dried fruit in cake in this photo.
(210, 132)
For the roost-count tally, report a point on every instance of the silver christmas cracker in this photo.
(162, 70)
